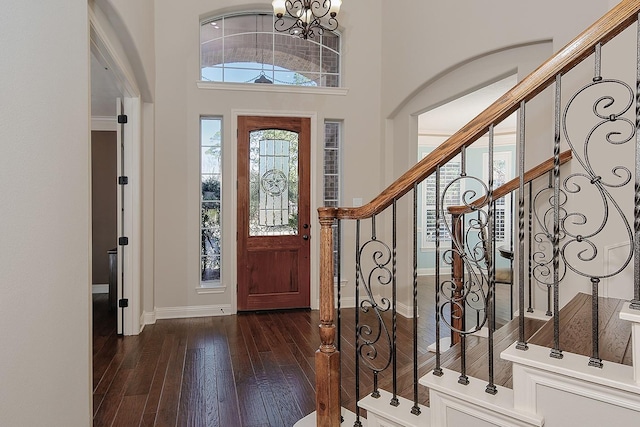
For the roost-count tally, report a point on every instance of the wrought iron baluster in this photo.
(438, 368)
(556, 352)
(530, 242)
(357, 422)
(491, 268)
(394, 313)
(338, 245)
(415, 410)
(521, 345)
(635, 303)
(460, 288)
(595, 360)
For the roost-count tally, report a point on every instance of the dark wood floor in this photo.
(256, 369)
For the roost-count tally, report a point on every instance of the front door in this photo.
(273, 212)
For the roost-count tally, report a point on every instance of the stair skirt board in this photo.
(569, 392)
(349, 419)
(381, 414)
(453, 404)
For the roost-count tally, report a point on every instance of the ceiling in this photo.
(104, 90)
(450, 117)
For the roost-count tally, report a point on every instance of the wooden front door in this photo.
(273, 213)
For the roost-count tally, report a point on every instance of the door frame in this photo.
(231, 194)
(110, 51)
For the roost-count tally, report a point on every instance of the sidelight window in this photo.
(210, 200)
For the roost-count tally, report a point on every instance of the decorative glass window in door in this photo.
(273, 183)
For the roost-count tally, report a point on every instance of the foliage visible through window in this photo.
(210, 201)
(246, 49)
(331, 198)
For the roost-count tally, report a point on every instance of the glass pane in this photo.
(331, 40)
(211, 187)
(331, 162)
(331, 187)
(211, 54)
(296, 54)
(298, 79)
(210, 268)
(241, 24)
(210, 158)
(330, 61)
(273, 183)
(330, 80)
(210, 30)
(210, 216)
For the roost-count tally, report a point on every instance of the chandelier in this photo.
(310, 17)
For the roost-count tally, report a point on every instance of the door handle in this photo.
(305, 236)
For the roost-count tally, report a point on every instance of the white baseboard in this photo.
(191, 311)
(100, 288)
(147, 318)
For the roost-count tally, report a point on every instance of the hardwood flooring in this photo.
(257, 369)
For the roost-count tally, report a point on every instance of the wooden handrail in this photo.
(603, 30)
(512, 185)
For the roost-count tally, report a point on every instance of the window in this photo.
(331, 197)
(501, 174)
(210, 200)
(246, 49)
(448, 173)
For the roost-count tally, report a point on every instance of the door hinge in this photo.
(123, 180)
(123, 241)
(122, 119)
(123, 303)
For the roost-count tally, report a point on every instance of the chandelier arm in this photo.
(307, 16)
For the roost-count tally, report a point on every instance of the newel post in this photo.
(327, 356)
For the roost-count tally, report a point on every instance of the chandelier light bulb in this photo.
(278, 7)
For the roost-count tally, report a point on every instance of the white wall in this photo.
(45, 247)
(134, 25)
(180, 103)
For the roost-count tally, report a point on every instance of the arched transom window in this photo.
(246, 49)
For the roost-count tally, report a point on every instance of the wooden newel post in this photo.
(327, 356)
(457, 309)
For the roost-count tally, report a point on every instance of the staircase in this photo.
(573, 212)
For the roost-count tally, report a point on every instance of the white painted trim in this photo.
(273, 88)
(315, 191)
(100, 123)
(405, 310)
(536, 314)
(574, 368)
(192, 311)
(106, 45)
(110, 52)
(202, 290)
(606, 259)
(446, 394)
(349, 419)
(100, 288)
(147, 318)
(380, 413)
(633, 315)
(445, 343)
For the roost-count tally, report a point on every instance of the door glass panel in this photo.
(273, 183)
